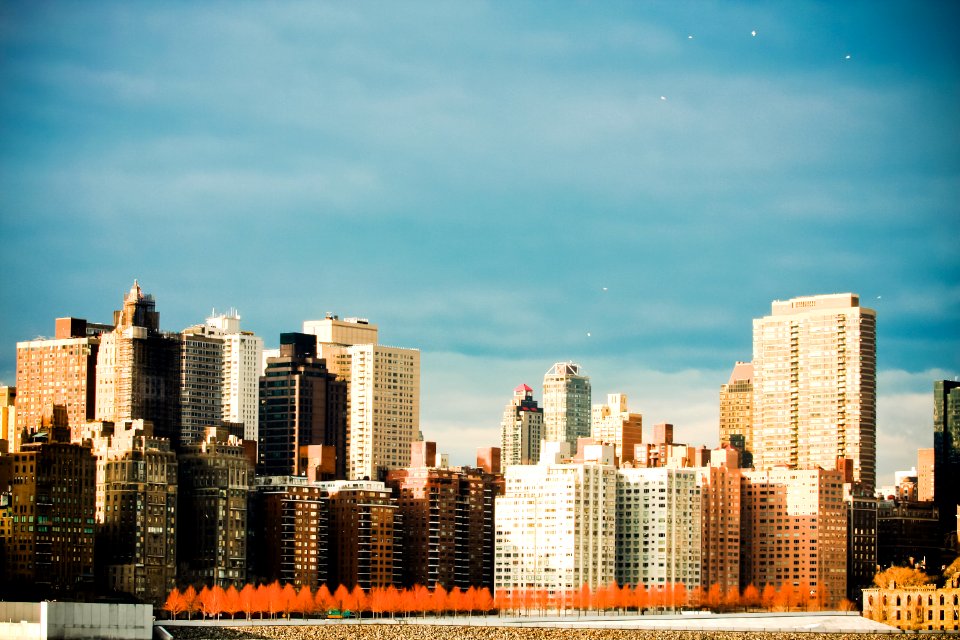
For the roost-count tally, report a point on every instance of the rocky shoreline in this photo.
(434, 632)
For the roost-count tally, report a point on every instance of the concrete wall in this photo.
(69, 620)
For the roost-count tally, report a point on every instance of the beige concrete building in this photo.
(613, 423)
(555, 524)
(794, 531)
(521, 428)
(383, 391)
(566, 404)
(736, 411)
(814, 366)
(922, 608)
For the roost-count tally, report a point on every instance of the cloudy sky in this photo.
(502, 185)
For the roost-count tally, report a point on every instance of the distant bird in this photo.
(754, 33)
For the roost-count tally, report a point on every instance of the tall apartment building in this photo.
(302, 405)
(215, 479)
(290, 519)
(946, 454)
(794, 531)
(736, 411)
(521, 428)
(556, 522)
(59, 371)
(138, 369)
(566, 403)
(613, 423)
(9, 440)
(658, 527)
(366, 549)
(136, 504)
(383, 394)
(242, 352)
(49, 515)
(335, 532)
(201, 382)
(720, 520)
(814, 366)
(444, 516)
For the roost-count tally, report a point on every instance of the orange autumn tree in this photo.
(175, 604)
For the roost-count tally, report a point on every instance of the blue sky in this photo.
(471, 175)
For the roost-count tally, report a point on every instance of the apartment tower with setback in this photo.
(242, 352)
(138, 369)
(613, 423)
(521, 428)
(383, 394)
(566, 404)
(814, 379)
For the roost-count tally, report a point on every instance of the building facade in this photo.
(736, 412)
(566, 403)
(302, 405)
(60, 371)
(444, 523)
(521, 428)
(794, 532)
(556, 523)
(613, 424)
(136, 503)
(242, 353)
(658, 527)
(814, 367)
(138, 369)
(215, 479)
(49, 515)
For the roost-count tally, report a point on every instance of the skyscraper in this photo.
(814, 402)
(613, 423)
(736, 411)
(566, 403)
(521, 428)
(383, 391)
(302, 404)
(946, 453)
(242, 351)
(138, 369)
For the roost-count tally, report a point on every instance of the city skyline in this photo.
(508, 188)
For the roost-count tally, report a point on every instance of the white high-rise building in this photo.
(383, 395)
(814, 385)
(521, 429)
(566, 403)
(658, 527)
(242, 354)
(556, 521)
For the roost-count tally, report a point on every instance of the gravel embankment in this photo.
(430, 632)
